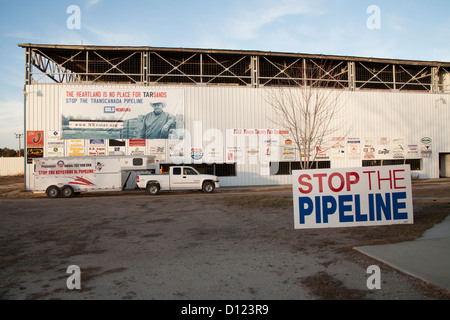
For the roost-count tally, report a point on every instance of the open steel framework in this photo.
(153, 66)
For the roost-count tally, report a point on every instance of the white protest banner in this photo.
(120, 113)
(64, 167)
(355, 197)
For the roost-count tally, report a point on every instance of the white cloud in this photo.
(113, 37)
(20, 35)
(92, 3)
(250, 21)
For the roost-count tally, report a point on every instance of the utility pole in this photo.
(19, 136)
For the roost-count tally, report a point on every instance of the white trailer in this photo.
(73, 175)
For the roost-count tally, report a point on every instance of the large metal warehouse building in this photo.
(96, 100)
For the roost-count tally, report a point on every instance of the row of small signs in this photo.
(375, 149)
(273, 148)
(56, 147)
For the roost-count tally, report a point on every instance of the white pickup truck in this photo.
(178, 178)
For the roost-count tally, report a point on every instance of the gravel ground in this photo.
(230, 245)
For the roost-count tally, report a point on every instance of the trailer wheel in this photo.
(67, 192)
(152, 189)
(208, 187)
(53, 192)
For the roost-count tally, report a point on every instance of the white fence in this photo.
(11, 166)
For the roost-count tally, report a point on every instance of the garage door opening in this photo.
(444, 165)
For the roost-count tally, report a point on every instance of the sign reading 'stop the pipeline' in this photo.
(370, 196)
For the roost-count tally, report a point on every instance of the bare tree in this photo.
(312, 112)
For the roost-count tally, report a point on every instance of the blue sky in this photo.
(416, 30)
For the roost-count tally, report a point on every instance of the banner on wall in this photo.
(117, 147)
(398, 148)
(158, 149)
(136, 147)
(337, 148)
(383, 148)
(33, 153)
(369, 149)
(426, 150)
(256, 145)
(412, 151)
(111, 113)
(55, 145)
(35, 139)
(76, 148)
(97, 147)
(354, 148)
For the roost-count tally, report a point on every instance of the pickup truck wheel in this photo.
(208, 187)
(53, 192)
(67, 192)
(152, 189)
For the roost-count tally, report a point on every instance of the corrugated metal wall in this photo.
(374, 114)
(11, 166)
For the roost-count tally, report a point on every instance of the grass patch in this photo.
(326, 287)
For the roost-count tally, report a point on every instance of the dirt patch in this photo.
(261, 201)
(8, 180)
(427, 213)
(233, 244)
(13, 187)
(431, 188)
